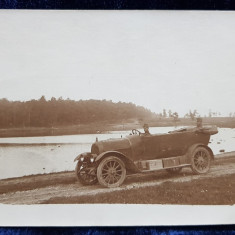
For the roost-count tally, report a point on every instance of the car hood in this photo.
(110, 144)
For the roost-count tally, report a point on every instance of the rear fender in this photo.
(194, 146)
(128, 163)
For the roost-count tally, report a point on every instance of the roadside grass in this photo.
(36, 181)
(211, 191)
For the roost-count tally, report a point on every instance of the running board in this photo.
(164, 163)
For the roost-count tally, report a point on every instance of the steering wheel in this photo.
(136, 132)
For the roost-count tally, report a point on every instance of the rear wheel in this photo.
(85, 173)
(200, 160)
(111, 172)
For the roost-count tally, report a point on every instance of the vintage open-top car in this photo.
(109, 161)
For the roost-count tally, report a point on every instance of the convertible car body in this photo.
(109, 161)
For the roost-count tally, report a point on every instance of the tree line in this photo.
(60, 112)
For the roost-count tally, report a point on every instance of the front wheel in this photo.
(200, 160)
(85, 174)
(111, 172)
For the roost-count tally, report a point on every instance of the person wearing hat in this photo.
(199, 122)
(146, 129)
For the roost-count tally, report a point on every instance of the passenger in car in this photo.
(199, 122)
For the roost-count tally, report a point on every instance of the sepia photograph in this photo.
(118, 110)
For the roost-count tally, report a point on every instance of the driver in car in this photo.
(146, 129)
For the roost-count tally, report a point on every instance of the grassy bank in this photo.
(36, 181)
(212, 191)
(90, 128)
(102, 127)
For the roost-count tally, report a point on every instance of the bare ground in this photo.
(41, 189)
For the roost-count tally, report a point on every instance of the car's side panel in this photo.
(152, 146)
(136, 147)
(170, 145)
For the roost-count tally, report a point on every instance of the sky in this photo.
(177, 60)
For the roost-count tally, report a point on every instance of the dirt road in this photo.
(41, 188)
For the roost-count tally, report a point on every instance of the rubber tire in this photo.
(100, 168)
(81, 179)
(194, 167)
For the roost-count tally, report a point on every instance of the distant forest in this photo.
(59, 112)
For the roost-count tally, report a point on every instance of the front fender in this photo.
(85, 156)
(128, 163)
(102, 155)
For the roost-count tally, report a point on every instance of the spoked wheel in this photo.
(174, 170)
(85, 174)
(111, 172)
(200, 160)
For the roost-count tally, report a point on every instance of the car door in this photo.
(151, 147)
(176, 144)
(166, 145)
